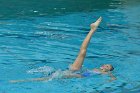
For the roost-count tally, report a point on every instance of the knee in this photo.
(83, 52)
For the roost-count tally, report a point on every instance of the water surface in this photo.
(44, 33)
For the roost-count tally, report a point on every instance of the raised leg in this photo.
(80, 58)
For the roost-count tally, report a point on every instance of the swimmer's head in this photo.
(107, 67)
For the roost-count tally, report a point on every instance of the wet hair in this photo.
(112, 68)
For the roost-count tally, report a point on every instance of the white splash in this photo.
(45, 69)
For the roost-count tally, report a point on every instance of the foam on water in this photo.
(45, 69)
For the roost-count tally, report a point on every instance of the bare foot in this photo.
(96, 24)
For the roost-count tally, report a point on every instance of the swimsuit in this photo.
(90, 73)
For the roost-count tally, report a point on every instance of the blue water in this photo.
(40, 36)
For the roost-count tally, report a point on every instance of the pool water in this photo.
(38, 37)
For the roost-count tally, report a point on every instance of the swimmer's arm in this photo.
(29, 80)
(112, 77)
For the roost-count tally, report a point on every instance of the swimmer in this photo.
(77, 65)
